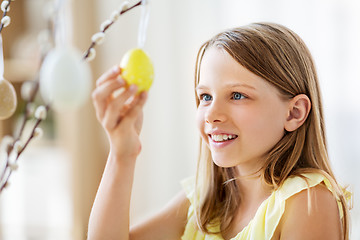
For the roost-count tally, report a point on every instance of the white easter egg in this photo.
(65, 80)
(8, 100)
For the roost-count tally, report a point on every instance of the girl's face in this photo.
(240, 116)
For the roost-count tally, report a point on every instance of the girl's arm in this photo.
(168, 224)
(314, 216)
(121, 116)
(110, 214)
(109, 218)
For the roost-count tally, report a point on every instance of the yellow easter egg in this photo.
(8, 101)
(136, 68)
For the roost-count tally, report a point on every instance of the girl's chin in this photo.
(229, 160)
(223, 162)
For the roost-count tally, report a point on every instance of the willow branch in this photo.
(32, 135)
(93, 44)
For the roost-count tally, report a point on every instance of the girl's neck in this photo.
(253, 188)
(253, 191)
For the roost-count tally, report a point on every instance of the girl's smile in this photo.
(221, 139)
(240, 116)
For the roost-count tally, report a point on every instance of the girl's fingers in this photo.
(133, 113)
(112, 73)
(102, 93)
(118, 107)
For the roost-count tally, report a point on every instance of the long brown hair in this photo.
(279, 56)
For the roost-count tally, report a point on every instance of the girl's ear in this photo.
(299, 108)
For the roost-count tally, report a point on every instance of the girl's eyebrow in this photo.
(200, 87)
(240, 85)
(231, 85)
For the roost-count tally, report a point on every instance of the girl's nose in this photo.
(215, 113)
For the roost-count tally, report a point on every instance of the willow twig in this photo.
(93, 43)
(32, 135)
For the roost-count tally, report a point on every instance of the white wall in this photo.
(331, 29)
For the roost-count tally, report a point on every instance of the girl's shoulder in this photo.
(295, 184)
(311, 209)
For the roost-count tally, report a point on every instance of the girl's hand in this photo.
(120, 114)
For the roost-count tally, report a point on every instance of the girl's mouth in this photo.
(222, 137)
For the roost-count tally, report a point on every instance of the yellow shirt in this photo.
(268, 215)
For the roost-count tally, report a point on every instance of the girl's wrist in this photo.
(121, 160)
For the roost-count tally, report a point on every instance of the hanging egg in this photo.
(8, 100)
(65, 80)
(136, 68)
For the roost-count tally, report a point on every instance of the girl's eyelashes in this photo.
(234, 96)
(237, 96)
(205, 97)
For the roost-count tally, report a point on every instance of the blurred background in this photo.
(51, 194)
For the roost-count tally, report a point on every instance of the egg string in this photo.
(1, 59)
(144, 20)
(5, 21)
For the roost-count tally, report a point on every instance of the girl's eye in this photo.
(237, 96)
(205, 97)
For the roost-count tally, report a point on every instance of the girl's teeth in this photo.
(221, 138)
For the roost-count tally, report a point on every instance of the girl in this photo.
(263, 170)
